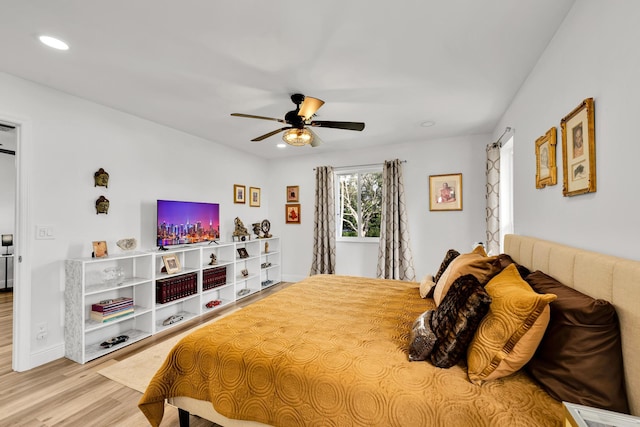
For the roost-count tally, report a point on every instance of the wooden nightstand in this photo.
(583, 416)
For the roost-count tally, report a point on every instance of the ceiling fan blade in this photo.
(267, 135)
(251, 116)
(309, 107)
(338, 125)
(315, 141)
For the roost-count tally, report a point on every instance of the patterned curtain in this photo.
(324, 228)
(493, 199)
(395, 260)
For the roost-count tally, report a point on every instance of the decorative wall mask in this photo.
(101, 178)
(102, 205)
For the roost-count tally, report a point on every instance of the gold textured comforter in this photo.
(332, 351)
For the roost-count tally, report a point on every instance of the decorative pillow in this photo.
(456, 319)
(422, 337)
(426, 286)
(508, 336)
(587, 368)
(448, 257)
(476, 262)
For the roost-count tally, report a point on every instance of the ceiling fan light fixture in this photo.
(53, 42)
(297, 137)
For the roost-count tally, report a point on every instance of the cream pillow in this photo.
(426, 285)
(509, 334)
(476, 262)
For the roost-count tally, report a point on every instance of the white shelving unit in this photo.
(87, 282)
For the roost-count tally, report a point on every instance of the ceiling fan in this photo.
(299, 120)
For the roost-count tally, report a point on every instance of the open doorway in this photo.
(8, 178)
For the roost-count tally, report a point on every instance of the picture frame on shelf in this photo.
(546, 168)
(445, 192)
(242, 253)
(293, 192)
(292, 213)
(244, 272)
(171, 263)
(100, 249)
(239, 193)
(254, 196)
(579, 150)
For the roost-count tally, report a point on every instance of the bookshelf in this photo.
(210, 278)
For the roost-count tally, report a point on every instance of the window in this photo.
(358, 204)
(506, 190)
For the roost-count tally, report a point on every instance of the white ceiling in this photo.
(188, 64)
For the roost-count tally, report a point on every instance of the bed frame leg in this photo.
(183, 416)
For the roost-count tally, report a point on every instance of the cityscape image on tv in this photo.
(182, 223)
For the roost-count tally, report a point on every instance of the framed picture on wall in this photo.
(292, 193)
(239, 193)
(579, 150)
(445, 192)
(292, 213)
(254, 196)
(546, 169)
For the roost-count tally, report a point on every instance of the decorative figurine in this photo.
(266, 226)
(240, 231)
(266, 247)
(127, 244)
(101, 178)
(102, 205)
(256, 229)
(214, 259)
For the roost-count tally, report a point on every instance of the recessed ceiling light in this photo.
(427, 124)
(54, 42)
(281, 145)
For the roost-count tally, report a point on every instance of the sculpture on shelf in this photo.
(101, 178)
(127, 244)
(240, 231)
(256, 229)
(214, 259)
(266, 226)
(266, 247)
(102, 205)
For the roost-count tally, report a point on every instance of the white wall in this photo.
(432, 232)
(594, 54)
(71, 139)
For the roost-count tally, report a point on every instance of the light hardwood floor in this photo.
(65, 393)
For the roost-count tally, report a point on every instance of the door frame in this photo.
(21, 358)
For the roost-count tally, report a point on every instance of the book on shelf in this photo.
(112, 304)
(214, 277)
(174, 288)
(101, 317)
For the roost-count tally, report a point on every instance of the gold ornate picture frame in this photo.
(293, 192)
(445, 192)
(579, 150)
(239, 193)
(292, 213)
(254, 196)
(546, 168)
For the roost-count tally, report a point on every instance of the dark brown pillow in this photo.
(449, 256)
(579, 359)
(456, 320)
(505, 260)
(422, 337)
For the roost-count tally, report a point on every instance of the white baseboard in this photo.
(46, 355)
(292, 278)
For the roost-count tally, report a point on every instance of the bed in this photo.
(332, 350)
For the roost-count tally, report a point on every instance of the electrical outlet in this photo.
(41, 331)
(42, 327)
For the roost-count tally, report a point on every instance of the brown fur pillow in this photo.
(449, 256)
(422, 337)
(456, 320)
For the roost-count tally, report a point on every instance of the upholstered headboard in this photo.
(616, 280)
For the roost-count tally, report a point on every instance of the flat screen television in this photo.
(183, 223)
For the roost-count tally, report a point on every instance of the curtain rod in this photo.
(11, 152)
(498, 143)
(362, 166)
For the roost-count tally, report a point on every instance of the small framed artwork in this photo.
(254, 196)
(292, 193)
(100, 249)
(292, 213)
(239, 193)
(171, 263)
(579, 150)
(445, 192)
(546, 169)
(242, 253)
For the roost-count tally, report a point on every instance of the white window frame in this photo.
(506, 191)
(336, 178)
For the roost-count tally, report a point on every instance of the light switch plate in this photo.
(44, 232)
